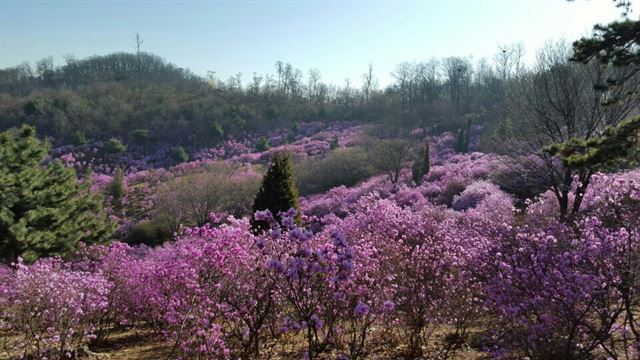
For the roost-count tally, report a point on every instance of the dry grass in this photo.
(144, 345)
(134, 345)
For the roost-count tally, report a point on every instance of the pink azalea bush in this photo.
(571, 291)
(377, 265)
(51, 307)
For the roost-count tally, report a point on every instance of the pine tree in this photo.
(459, 145)
(608, 151)
(421, 166)
(263, 144)
(615, 44)
(116, 190)
(278, 191)
(467, 137)
(463, 138)
(44, 210)
(179, 154)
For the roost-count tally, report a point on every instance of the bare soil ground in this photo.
(144, 345)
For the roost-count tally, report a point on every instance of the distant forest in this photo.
(140, 96)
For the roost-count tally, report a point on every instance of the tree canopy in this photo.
(278, 191)
(44, 210)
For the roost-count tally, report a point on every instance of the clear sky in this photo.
(338, 37)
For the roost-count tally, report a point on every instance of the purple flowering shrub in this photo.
(387, 273)
(477, 193)
(376, 265)
(571, 291)
(418, 268)
(313, 272)
(51, 307)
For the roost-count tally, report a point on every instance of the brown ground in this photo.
(143, 345)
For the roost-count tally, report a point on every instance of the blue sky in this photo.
(338, 37)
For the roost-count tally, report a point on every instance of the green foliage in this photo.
(334, 144)
(278, 191)
(44, 211)
(340, 167)
(113, 94)
(148, 232)
(115, 146)
(116, 190)
(295, 128)
(615, 43)
(141, 135)
(463, 138)
(179, 154)
(421, 166)
(606, 151)
(263, 144)
(217, 131)
(79, 138)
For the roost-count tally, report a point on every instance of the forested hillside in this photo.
(126, 95)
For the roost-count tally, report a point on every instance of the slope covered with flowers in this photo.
(377, 270)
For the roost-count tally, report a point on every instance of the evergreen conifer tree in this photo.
(278, 191)
(467, 137)
(459, 144)
(179, 154)
(463, 138)
(606, 152)
(116, 190)
(44, 210)
(421, 166)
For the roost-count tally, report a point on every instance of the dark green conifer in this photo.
(179, 154)
(606, 152)
(116, 190)
(421, 165)
(263, 144)
(278, 191)
(463, 138)
(467, 137)
(44, 210)
(459, 144)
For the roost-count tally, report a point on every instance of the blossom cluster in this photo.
(378, 265)
(383, 275)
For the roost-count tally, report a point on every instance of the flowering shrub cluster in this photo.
(52, 307)
(384, 275)
(445, 184)
(144, 172)
(312, 138)
(374, 266)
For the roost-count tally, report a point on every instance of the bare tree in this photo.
(508, 60)
(404, 76)
(558, 101)
(190, 199)
(458, 73)
(254, 88)
(428, 78)
(391, 156)
(313, 85)
(45, 69)
(369, 83)
(139, 42)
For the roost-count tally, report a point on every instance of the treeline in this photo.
(111, 96)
